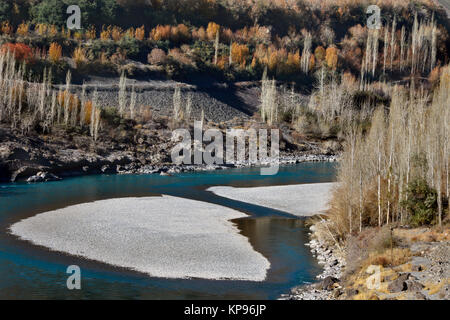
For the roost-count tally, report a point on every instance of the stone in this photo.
(327, 283)
(43, 177)
(350, 292)
(417, 268)
(420, 296)
(399, 284)
(337, 293)
(413, 285)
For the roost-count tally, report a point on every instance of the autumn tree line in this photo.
(292, 39)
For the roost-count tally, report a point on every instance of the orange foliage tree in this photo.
(212, 30)
(161, 33)
(55, 52)
(240, 53)
(21, 51)
(320, 54)
(331, 57)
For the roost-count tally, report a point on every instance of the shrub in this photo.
(421, 203)
(130, 46)
(21, 51)
(157, 57)
(79, 56)
(6, 28)
(161, 33)
(23, 29)
(180, 57)
(140, 33)
(111, 116)
(105, 34)
(240, 53)
(117, 33)
(91, 34)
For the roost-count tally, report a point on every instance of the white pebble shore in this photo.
(166, 237)
(300, 200)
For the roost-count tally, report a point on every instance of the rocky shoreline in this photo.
(18, 163)
(328, 286)
(425, 277)
(40, 158)
(169, 169)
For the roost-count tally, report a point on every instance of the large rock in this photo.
(413, 285)
(23, 173)
(399, 284)
(327, 283)
(43, 177)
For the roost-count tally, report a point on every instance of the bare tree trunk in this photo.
(375, 51)
(402, 47)
(394, 26)
(386, 43)
(216, 48)
(230, 62)
(379, 183)
(439, 190)
(350, 213)
(360, 200)
(433, 46)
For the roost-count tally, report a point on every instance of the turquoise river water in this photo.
(31, 272)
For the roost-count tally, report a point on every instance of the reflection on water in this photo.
(27, 271)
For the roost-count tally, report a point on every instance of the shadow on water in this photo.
(28, 271)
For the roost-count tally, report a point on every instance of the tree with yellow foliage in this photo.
(294, 61)
(320, 54)
(331, 57)
(55, 52)
(240, 53)
(212, 30)
(140, 33)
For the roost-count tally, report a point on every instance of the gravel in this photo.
(166, 237)
(219, 103)
(309, 199)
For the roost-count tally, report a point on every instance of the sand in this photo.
(165, 237)
(300, 200)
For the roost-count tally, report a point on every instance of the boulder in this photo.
(327, 283)
(413, 285)
(399, 284)
(350, 292)
(43, 177)
(23, 173)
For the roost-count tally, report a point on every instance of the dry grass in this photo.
(391, 263)
(423, 234)
(389, 258)
(434, 288)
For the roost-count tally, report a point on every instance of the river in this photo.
(32, 272)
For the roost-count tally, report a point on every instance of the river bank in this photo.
(50, 158)
(332, 259)
(418, 268)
